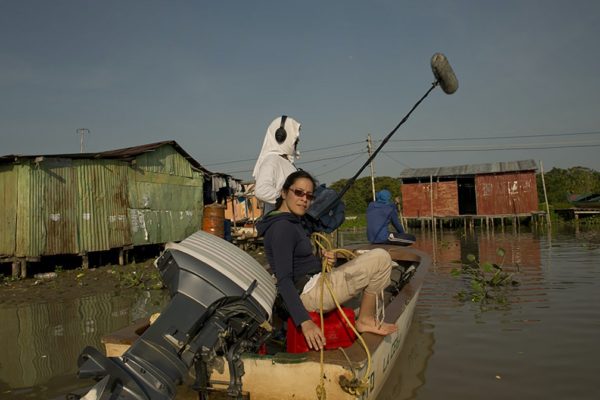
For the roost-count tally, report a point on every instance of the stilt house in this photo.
(82, 203)
(494, 189)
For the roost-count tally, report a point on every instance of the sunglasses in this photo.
(301, 193)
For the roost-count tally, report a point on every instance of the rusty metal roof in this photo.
(127, 153)
(470, 169)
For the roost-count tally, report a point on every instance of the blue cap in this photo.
(383, 196)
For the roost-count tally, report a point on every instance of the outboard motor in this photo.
(221, 305)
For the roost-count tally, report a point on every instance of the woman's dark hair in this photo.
(290, 180)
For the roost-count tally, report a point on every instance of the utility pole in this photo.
(548, 219)
(369, 147)
(82, 132)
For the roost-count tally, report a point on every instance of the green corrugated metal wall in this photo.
(8, 210)
(65, 206)
(102, 218)
(165, 197)
(58, 180)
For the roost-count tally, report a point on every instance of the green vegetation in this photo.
(487, 281)
(354, 221)
(560, 183)
(360, 194)
(142, 276)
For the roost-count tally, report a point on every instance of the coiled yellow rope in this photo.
(354, 386)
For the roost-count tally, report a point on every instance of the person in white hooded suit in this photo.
(276, 160)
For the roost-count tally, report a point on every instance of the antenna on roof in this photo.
(82, 132)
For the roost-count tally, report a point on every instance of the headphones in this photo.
(280, 133)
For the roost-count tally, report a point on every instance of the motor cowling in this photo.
(221, 305)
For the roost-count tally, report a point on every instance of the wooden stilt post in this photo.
(16, 268)
(548, 220)
(431, 199)
(23, 268)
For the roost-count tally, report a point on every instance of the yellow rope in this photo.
(355, 386)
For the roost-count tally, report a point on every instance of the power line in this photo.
(529, 146)
(329, 158)
(495, 137)
(396, 161)
(302, 152)
(338, 167)
(304, 162)
(333, 147)
(424, 140)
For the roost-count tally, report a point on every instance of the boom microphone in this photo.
(443, 73)
(327, 201)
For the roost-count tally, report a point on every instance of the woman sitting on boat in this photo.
(297, 269)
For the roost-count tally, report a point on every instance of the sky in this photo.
(212, 75)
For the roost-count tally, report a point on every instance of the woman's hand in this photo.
(331, 258)
(313, 335)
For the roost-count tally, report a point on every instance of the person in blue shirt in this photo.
(380, 213)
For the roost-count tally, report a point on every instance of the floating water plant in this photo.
(487, 280)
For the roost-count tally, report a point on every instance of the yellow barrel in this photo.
(213, 220)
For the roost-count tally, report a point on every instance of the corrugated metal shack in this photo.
(81, 203)
(494, 189)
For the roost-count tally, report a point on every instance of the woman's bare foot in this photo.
(372, 326)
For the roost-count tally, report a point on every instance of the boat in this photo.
(590, 200)
(278, 374)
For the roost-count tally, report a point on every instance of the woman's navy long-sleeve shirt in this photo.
(290, 256)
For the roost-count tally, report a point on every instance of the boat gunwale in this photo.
(355, 352)
(393, 310)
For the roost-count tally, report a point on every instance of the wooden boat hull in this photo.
(297, 375)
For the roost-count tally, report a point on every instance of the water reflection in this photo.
(522, 248)
(41, 342)
(543, 344)
(408, 374)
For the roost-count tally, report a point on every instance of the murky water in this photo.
(40, 343)
(543, 343)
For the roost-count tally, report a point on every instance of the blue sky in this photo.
(212, 74)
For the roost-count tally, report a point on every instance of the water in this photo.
(40, 342)
(541, 344)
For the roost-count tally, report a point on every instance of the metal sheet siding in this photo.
(416, 201)
(163, 205)
(8, 209)
(511, 193)
(56, 205)
(25, 243)
(59, 202)
(31, 211)
(470, 169)
(164, 160)
(102, 215)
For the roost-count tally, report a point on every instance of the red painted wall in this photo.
(416, 199)
(510, 193)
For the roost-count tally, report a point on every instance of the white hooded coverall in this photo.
(275, 161)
